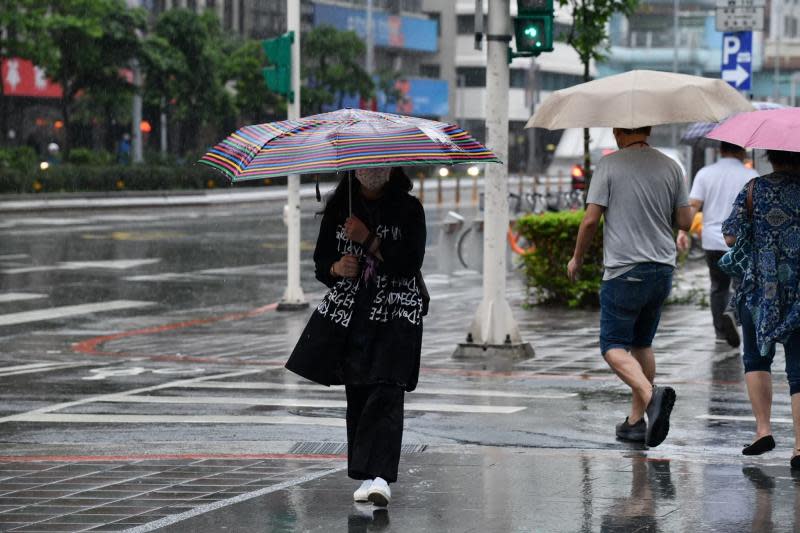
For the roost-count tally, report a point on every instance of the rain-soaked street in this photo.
(142, 388)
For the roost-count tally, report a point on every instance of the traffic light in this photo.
(533, 27)
(279, 74)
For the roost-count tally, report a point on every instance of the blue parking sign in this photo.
(737, 59)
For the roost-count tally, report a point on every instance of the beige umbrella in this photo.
(639, 98)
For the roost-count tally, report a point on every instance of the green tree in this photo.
(185, 64)
(89, 42)
(332, 68)
(589, 37)
(243, 74)
(20, 36)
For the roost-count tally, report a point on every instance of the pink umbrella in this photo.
(775, 129)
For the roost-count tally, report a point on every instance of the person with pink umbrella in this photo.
(765, 227)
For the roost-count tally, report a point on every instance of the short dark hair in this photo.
(634, 131)
(730, 148)
(784, 159)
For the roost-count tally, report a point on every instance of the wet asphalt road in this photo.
(134, 332)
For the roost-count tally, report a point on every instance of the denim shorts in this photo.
(754, 361)
(630, 306)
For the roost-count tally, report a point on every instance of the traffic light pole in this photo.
(494, 331)
(293, 297)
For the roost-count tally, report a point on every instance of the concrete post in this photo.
(494, 330)
(293, 297)
(136, 118)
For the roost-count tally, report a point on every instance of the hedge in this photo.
(83, 178)
(553, 235)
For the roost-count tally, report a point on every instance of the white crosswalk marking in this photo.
(295, 402)
(177, 419)
(70, 310)
(20, 296)
(483, 393)
(119, 264)
(93, 410)
(735, 418)
(34, 368)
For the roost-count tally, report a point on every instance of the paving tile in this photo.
(42, 528)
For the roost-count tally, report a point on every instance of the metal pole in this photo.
(676, 44)
(163, 126)
(778, 27)
(494, 330)
(136, 118)
(370, 40)
(293, 297)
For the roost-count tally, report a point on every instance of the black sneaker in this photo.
(658, 411)
(730, 331)
(633, 433)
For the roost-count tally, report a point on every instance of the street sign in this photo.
(737, 59)
(740, 15)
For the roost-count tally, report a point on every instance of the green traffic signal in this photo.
(278, 75)
(534, 33)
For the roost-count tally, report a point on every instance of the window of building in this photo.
(227, 15)
(471, 76)
(790, 27)
(430, 71)
(465, 24)
(518, 78)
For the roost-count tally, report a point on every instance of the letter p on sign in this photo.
(730, 47)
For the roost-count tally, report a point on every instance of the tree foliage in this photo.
(21, 32)
(88, 43)
(589, 37)
(332, 68)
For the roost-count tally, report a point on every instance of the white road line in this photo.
(10, 257)
(295, 402)
(733, 418)
(104, 397)
(483, 393)
(177, 419)
(20, 296)
(197, 511)
(26, 367)
(69, 310)
(118, 264)
(62, 366)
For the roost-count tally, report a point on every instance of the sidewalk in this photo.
(54, 201)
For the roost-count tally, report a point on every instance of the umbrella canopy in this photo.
(342, 140)
(775, 129)
(697, 131)
(639, 98)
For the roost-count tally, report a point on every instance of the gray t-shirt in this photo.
(640, 188)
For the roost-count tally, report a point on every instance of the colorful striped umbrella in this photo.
(342, 140)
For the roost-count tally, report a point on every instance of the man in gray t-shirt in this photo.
(641, 194)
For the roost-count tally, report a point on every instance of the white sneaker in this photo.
(362, 493)
(379, 492)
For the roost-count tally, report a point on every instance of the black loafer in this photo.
(658, 411)
(730, 331)
(795, 462)
(762, 445)
(633, 433)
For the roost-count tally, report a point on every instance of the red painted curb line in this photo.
(90, 346)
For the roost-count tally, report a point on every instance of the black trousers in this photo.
(720, 289)
(374, 431)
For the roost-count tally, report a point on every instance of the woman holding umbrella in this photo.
(765, 227)
(768, 300)
(367, 332)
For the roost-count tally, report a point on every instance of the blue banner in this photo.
(393, 31)
(420, 97)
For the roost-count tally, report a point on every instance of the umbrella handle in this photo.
(350, 192)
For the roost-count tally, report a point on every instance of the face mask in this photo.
(373, 179)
